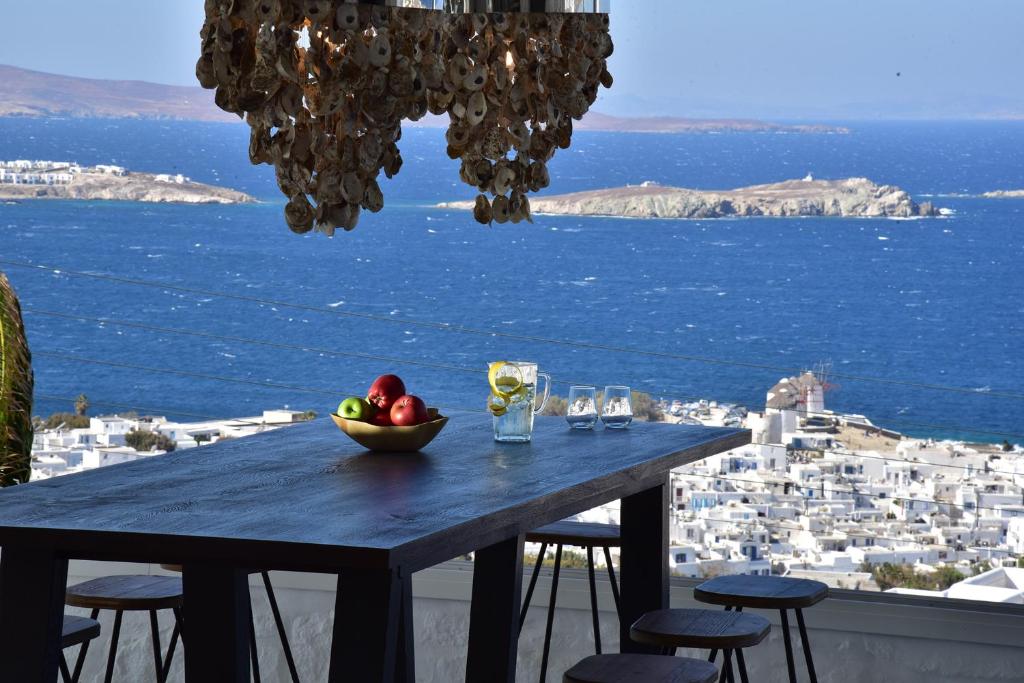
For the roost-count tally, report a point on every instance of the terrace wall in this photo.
(854, 638)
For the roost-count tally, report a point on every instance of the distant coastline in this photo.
(852, 197)
(1004, 194)
(34, 94)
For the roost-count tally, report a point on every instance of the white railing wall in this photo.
(853, 639)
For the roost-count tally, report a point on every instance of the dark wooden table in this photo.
(305, 498)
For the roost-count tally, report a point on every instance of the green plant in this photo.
(570, 559)
(556, 406)
(16, 384)
(903, 576)
(81, 405)
(68, 420)
(147, 441)
(646, 408)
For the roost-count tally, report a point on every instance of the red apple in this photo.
(381, 418)
(409, 411)
(385, 390)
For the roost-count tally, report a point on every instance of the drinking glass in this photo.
(582, 412)
(617, 411)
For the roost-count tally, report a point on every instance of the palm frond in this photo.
(16, 383)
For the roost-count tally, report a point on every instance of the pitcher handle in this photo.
(547, 391)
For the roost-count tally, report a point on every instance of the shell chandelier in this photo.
(325, 85)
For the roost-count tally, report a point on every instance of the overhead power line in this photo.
(147, 410)
(448, 327)
(428, 364)
(328, 392)
(214, 378)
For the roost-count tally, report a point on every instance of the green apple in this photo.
(356, 408)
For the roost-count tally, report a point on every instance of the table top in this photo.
(307, 498)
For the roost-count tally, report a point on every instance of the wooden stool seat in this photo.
(579, 534)
(700, 628)
(78, 630)
(127, 593)
(587, 535)
(761, 592)
(631, 668)
(780, 593)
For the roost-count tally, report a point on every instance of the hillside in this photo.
(38, 94)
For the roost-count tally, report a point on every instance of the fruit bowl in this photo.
(392, 439)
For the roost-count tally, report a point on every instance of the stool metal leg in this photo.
(593, 600)
(65, 674)
(742, 664)
(789, 647)
(551, 615)
(80, 660)
(158, 656)
(727, 672)
(533, 584)
(611, 576)
(115, 634)
(254, 655)
(806, 645)
(175, 634)
(282, 634)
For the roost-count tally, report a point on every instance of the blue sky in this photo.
(753, 58)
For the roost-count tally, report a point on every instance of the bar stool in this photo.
(278, 621)
(703, 629)
(131, 594)
(586, 535)
(769, 592)
(631, 668)
(76, 631)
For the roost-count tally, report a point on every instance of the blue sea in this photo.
(926, 302)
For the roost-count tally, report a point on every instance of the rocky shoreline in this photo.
(852, 197)
(131, 187)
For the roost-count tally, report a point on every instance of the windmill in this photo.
(813, 385)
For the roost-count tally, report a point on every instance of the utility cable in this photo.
(407, 361)
(448, 327)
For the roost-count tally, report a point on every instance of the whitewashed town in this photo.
(817, 494)
(36, 172)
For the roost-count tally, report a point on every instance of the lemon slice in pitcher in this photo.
(506, 382)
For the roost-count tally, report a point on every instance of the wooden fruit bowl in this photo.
(392, 439)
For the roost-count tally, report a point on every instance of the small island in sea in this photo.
(1004, 194)
(852, 197)
(25, 179)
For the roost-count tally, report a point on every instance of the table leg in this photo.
(32, 586)
(643, 572)
(494, 613)
(217, 617)
(406, 665)
(367, 614)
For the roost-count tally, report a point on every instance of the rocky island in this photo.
(1004, 194)
(67, 180)
(853, 197)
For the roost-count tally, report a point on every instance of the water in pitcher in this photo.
(516, 425)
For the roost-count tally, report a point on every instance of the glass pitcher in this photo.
(513, 399)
